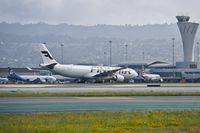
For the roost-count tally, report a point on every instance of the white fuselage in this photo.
(3, 80)
(82, 71)
(152, 77)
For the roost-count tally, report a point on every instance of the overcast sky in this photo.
(92, 12)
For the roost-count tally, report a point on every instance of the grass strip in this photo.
(95, 94)
(101, 122)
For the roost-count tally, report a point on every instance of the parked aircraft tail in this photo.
(11, 71)
(13, 76)
(142, 70)
(47, 58)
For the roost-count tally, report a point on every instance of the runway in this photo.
(69, 104)
(122, 104)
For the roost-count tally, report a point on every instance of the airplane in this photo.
(150, 77)
(3, 80)
(86, 72)
(30, 78)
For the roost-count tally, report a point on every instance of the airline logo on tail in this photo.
(46, 54)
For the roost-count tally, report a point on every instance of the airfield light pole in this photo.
(173, 58)
(110, 44)
(61, 45)
(173, 39)
(126, 48)
(143, 54)
(197, 51)
(105, 56)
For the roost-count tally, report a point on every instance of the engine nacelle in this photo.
(118, 78)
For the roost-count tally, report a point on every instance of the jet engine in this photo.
(118, 78)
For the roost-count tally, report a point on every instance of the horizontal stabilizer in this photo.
(50, 66)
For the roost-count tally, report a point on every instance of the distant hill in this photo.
(156, 31)
(87, 44)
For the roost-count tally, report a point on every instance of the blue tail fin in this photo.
(11, 71)
(13, 76)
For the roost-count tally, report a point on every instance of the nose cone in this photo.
(134, 73)
(54, 79)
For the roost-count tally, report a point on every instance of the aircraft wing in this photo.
(107, 73)
(33, 70)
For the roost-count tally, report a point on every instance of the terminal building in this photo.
(186, 71)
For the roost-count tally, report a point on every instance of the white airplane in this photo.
(84, 72)
(30, 78)
(150, 77)
(3, 80)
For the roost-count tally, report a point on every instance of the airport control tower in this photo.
(188, 31)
